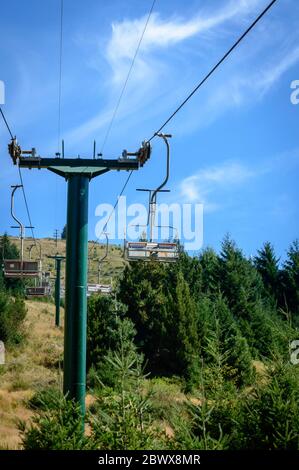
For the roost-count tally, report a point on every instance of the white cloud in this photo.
(163, 33)
(245, 83)
(199, 187)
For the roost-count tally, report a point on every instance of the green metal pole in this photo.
(57, 291)
(74, 383)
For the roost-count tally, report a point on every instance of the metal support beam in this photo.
(78, 172)
(57, 291)
(76, 290)
(58, 261)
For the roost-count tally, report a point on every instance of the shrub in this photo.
(12, 315)
(56, 426)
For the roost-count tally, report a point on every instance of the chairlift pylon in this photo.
(150, 250)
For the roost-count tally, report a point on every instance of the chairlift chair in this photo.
(151, 250)
(20, 268)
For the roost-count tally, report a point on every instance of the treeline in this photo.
(216, 327)
(247, 308)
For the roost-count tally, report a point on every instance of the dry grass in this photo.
(30, 367)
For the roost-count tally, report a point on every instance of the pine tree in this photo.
(209, 262)
(63, 233)
(290, 279)
(268, 266)
(186, 340)
(232, 345)
(240, 283)
(145, 289)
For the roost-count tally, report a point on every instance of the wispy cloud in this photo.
(208, 185)
(150, 70)
(155, 86)
(163, 33)
(200, 186)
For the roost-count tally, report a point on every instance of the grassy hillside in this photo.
(32, 366)
(36, 365)
(113, 264)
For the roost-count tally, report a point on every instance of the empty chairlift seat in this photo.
(96, 288)
(19, 269)
(147, 251)
(42, 291)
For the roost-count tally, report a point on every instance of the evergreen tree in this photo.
(239, 281)
(290, 279)
(102, 328)
(63, 233)
(8, 250)
(226, 341)
(145, 290)
(267, 265)
(209, 262)
(192, 273)
(186, 340)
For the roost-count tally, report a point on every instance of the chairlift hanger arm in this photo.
(20, 225)
(165, 138)
(106, 252)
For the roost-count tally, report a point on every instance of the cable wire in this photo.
(6, 123)
(21, 179)
(60, 73)
(214, 68)
(116, 203)
(127, 78)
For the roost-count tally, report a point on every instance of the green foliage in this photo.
(209, 262)
(63, 233)
(270, 417)
(265, 419)
(226, 351)
(240, 283)
(203, 320)
(123, 421)
(57, 425)
(290, 279)
(45, 399)
(268, 267)
(12, 315)
(102, 328)
(185, 337)
(9, 251)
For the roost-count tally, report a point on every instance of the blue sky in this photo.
(235, 144)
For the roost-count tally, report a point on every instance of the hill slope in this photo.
(111, 266)
(30, 367)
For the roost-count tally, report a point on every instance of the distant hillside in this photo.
(110, 268)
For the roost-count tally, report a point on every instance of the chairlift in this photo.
(20, 268)
(39, 291)
(154, 250)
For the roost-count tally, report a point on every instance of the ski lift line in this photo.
(6, 123)
(116, 203)
(260, 16)
(60, 72)
(21, 178)
(127, 78)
